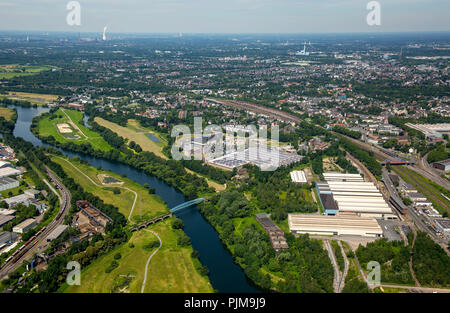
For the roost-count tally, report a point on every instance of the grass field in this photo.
(16, 70)
(134, 132)
(7, 113)
(35, 98)
(147, 206)
(171, 269)
(80, 134)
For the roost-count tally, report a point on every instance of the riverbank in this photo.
(224, 274)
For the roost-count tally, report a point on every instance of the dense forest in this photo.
(7, 127)
(350, 133)
(364, 156)
(304, 267)
(430, 262)
(438, 154)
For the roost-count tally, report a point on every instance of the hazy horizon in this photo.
(226, 17)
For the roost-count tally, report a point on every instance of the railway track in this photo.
(423, 186)
(38, 241)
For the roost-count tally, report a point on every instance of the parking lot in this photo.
(389, 229)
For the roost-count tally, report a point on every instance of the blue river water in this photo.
(225, 275)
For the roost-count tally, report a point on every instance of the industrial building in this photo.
(276, 235)
(5, 219)
(442, 165)
(359, 197)
(8, 183)
(443, 225)
(265, 159)
(26, 198)
(333, 176)
(57, 232)
(431, 131)
(347, 224)
(298, 177)
(7, 169)
(25, 226)
(7, 237)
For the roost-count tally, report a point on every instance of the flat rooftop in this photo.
(298, 177)
(340, 224)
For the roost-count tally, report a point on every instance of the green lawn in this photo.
(134, 132)
(48, 127)
(147, 205)
(171, 269)
(7, 113)
(16, 70)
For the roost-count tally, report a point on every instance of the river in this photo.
(224, 274)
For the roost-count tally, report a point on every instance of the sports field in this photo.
(132, 196)
(170, 270)
(79, 135)
(134, 132)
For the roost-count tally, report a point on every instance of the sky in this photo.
(226, 16)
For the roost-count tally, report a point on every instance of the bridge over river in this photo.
(186, 204)
(164, 216)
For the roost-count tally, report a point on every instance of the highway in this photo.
(40, 243)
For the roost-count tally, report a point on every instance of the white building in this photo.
(7, 169)
(298, 177)
(25, 226)
(334, 176)
(334, 225)
(8, 183)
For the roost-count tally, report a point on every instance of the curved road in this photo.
(344, 274)
(428, 171)
(149, 258)
(93, 182)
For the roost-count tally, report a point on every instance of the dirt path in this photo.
(344, 275)
(149, 258)
(335, 266)
(410, 262)
(74, 125)
(93, 182)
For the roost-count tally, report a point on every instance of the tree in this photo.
(177, 224)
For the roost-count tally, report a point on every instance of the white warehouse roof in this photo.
(334, 225)
(298, 177)
(333, 176)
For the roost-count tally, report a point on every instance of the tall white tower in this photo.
(104, 33)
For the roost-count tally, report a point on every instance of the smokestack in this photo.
(104, 33)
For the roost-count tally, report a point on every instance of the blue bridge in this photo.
(186, 204)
